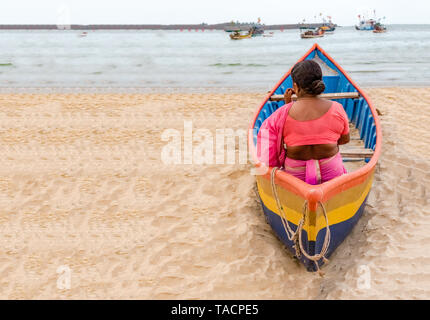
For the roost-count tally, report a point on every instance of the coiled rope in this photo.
(296, 236)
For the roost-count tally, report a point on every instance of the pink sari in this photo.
(315, 171)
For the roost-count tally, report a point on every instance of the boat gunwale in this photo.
(327, 190)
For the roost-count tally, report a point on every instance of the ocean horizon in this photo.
(166, 60)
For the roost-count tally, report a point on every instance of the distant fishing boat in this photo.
(368, 24)
(83, 34)
(313, 220)
(256, 30)
(253, 29)
(328, 27)
(379, 28)
(236, 35)
(309, 33)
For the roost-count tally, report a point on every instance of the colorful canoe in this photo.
(313, 220)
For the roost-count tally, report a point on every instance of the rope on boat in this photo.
(315, 258)
(292, 236)
(288, 230)
(296, 237)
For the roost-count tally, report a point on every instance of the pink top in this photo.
(327, 129)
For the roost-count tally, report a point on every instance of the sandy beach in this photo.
(83, 189)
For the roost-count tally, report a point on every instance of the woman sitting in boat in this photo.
(304, 136)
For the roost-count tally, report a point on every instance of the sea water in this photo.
(162, 60)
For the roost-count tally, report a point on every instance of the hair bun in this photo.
(308, 76)
(317, 87)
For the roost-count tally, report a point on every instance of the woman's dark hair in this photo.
(308, 76)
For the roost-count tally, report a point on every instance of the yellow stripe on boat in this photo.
(291, 203)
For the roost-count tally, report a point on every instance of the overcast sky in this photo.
(196, 11)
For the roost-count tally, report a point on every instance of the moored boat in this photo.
(379, 28)
(256, 30)
(328, 29)
(328, 26)
(369, 24)
(309, 33)
(366, 25)
(312, 220)
(253, 30)
(238, 36)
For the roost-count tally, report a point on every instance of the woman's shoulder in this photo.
(338, 106)
(277, 118)
(280, 112)
(333, 105)
(338, 109)
(285, 106)
(330, 103)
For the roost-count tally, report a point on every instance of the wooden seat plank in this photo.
(330, 96)
(356, 153)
